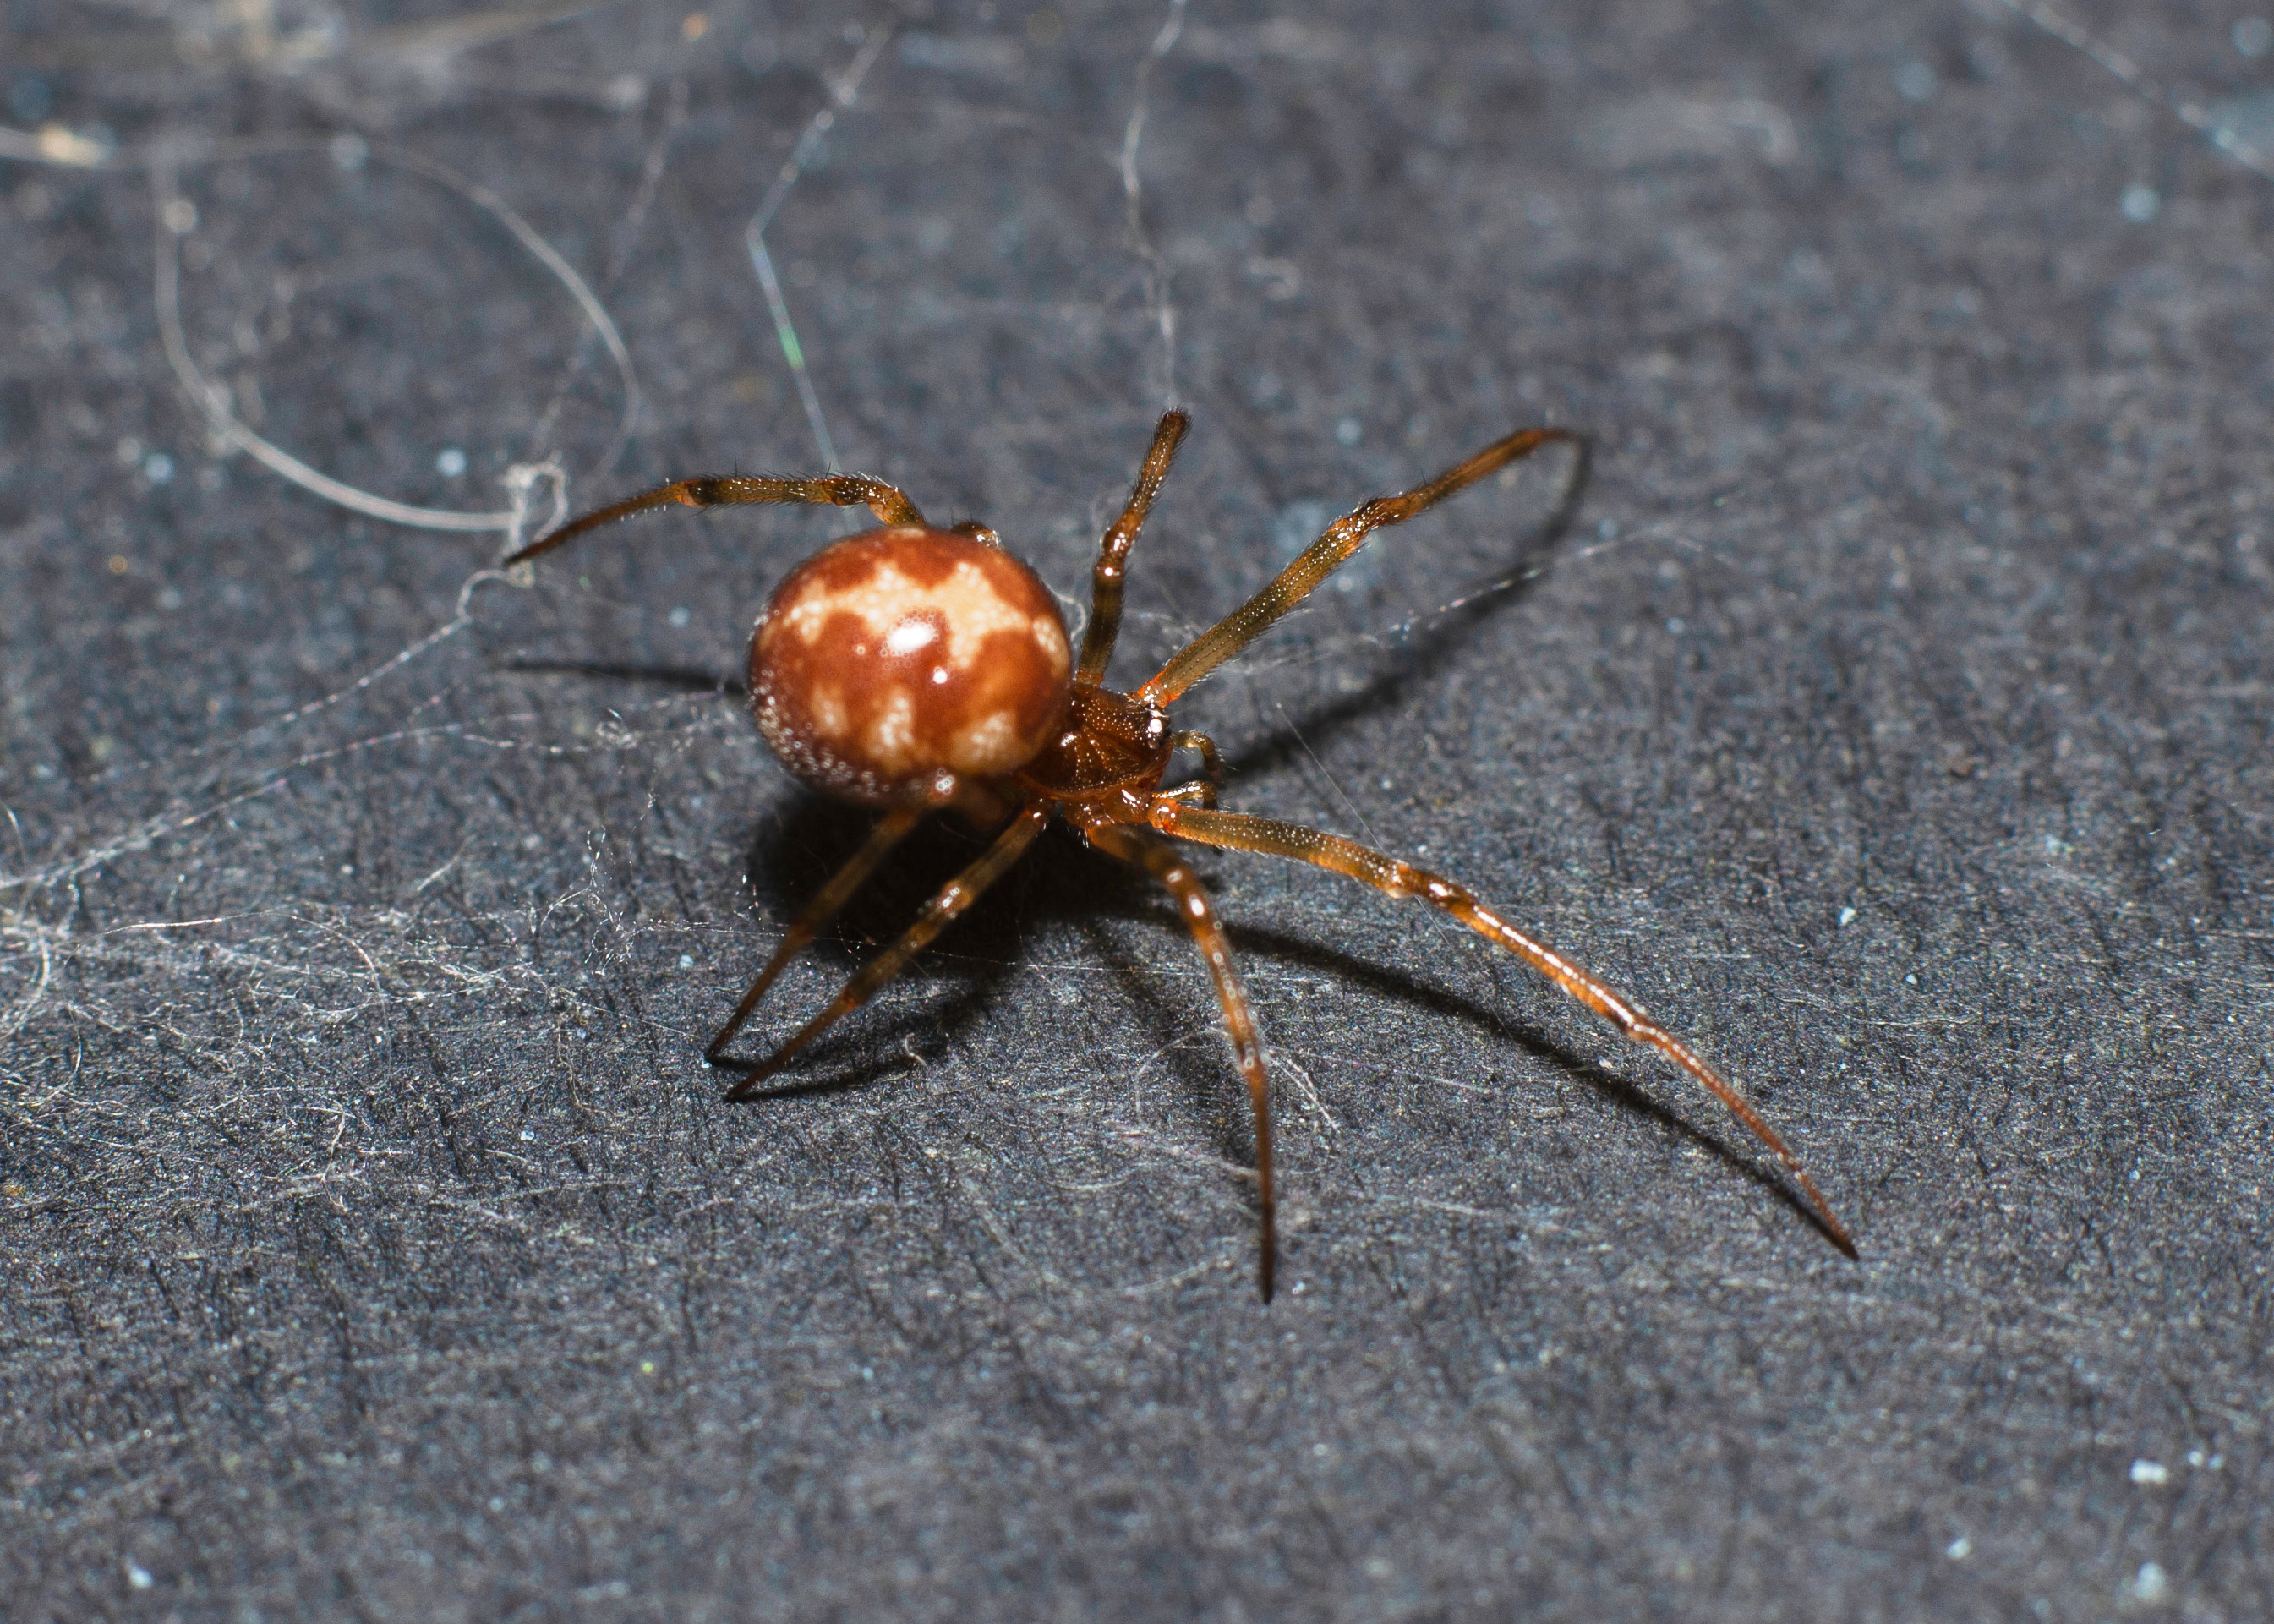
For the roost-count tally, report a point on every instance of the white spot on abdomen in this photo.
(990, 746)
(887, 597)
(908, 637)
(893, 735)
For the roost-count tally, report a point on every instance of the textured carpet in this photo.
(1893, 722)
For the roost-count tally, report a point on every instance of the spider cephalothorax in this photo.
(912, 669)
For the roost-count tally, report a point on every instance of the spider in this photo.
(913, 670)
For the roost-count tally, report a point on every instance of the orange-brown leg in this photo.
(1234, 831)
(1113, 550)
(1343, 538)
(725, 490)
(1162, 862)
(891, 830)
(952, 899)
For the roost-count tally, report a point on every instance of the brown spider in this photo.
(912, 669)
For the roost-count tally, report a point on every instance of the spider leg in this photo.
(1161, 861)
(891, 830)
(727, 490)
(952, 899)
(1234, 831)
(1343, 538)
(1113, 550)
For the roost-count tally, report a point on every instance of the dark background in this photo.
(1894, 722)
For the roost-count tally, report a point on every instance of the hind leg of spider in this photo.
(728, 489)
(891, 830)
(952, 899)
(1343, 538)
(1234, 831)
(1161, 861)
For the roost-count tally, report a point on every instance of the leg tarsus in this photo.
(727, 490)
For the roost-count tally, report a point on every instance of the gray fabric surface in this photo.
(1893, 723)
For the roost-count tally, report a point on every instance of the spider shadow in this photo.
(1612, 1086)
(1060, 881)
(789, 859)
(1403, 661)
(1063, 881)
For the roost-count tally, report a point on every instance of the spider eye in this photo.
(890, 657)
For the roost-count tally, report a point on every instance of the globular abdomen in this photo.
(893, 656)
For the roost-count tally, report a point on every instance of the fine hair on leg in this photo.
(1113, 549)
(1343, 538)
